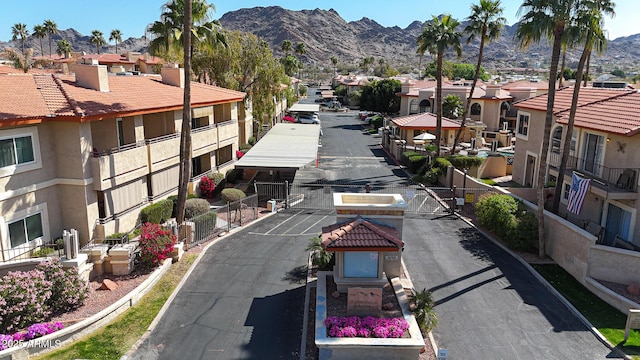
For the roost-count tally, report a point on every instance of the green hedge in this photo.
(174, 202)
(195, 207)
(404, 157)
(416, 162)
(500, 214)
(465, 162)
(157, 213)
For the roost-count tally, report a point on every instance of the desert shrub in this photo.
(524, 233)
(320, 258)
(43, 252)
(195, 207)
(421, 304)
(245, 147)
(156, 244)
(205, 223)
(497, 213)
(24, 297)
(206, 187)
(252, 141)
(416, 162)
(174, 202)
(232, 195)
(157, 213)
(465, 162)
(68, 289)
(234, 175)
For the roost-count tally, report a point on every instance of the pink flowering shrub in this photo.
(354, 326)
(207, 187)
(155, 244)
(24, 297)
(34, 331)
(239, 154)
(68, 289)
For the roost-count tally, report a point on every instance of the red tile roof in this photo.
(49, 96)
(564, 98)
(616, 115)
(108, 58)
(540, 85)
(360, 235)
(424, 121)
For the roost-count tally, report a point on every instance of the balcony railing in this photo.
(96, 153)
(620, 179)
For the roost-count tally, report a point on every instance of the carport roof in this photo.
(305, 108)
(285, 146)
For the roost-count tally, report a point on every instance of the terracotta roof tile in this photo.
(20, 98)
(617, 115)
(540, 85)
(360, 233)
(564, 97)
(424, 121)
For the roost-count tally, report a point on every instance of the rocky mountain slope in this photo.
(325, 34)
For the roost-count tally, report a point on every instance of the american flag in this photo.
(577, 193)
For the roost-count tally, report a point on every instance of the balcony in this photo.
(119, 165)
(610, 183)
(227, 132)
(164, 151)
(203, 140)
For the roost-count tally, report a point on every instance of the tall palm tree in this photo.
(587, 29)
(185, 136)
(40, 32)
(485, 22)
(286, 47)
(334, 61)
(116, 35)
(52, 28)
(20, 32)
(549, 19)
(63, 48)
(97, 38)
(301, 49)
(437, 37)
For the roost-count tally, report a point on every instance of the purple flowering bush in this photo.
(354, 326)
(34, 331)
(68, 289)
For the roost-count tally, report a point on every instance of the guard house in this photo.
(366, 239)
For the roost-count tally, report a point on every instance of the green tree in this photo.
(291, 64)
(20, 32)
(301, 49)
(97, 38)
(52, 29)
(468, 71)
(63, 48)
(40, 32)
(365, 64)
(618, 73)
(437, 37)
(381, 96)
(587, 29)
(334, 62)
(452, 107)
(486, 23)
(286, 47)
(116, 36)
(432, 69)
(550, 19)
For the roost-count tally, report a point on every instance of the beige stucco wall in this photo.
(104, 134)
(532, 144)
(612, 264)
(159, 124)
(44, 168)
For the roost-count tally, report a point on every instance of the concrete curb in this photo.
(175, 292)
(550, 287)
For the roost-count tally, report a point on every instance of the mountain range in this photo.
(325, 33)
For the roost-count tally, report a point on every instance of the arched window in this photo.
(425, 106)
(413, 106)
(556, 140)
(476, 109)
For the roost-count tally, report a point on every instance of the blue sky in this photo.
(132, 16)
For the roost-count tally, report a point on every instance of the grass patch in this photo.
(489, 182)
(608, 320)
(114, 340)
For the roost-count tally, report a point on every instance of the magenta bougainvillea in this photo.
(239, 154)
(34, 331)
(369, 326)
(155, 244)
(207, 187)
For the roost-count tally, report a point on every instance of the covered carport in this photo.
(299, 108)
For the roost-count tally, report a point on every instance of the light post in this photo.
(464, 184)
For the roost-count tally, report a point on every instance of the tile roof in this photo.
(108, 58)
(46, 96)
(540, 85)
(616, 115)
(360, 234)
(564, 98)
(424, 121)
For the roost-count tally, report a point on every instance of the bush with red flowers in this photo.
(156, 244)
(207, 187)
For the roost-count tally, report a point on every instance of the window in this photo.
(425, 106)
(556, 140)
(565, 193)
(523, 125)
(476, 109)
(413, 106)
(592, 151)
(16, 151)
(360, 264)
(25, 230)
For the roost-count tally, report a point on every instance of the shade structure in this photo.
(424, 137)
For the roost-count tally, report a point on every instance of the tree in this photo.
(301, 49)
(381, 96)
(40, 32)
(63, 48)
(334, 61)
(52, 29)
(452, 107)
(22, 61)
(432, 69)
(550, 19)
(20, 32)
(185, 135)
(468, 71)
(486, 23)
(437, 37)
(291, 64)
(116, 35)
(365, 64)
(587, 29)
(97, 39)
(287, 47)
(618, 73)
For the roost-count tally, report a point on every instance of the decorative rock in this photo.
(335, 294)
(108, 285)
(634, 289)
(387, 306)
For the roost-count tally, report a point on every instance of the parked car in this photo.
(309, 119)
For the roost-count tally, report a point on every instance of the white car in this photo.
(309, 119)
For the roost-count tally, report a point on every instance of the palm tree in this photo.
(20, 32)
(545, 18)
(185, 136)
(97, 39)
(52, 28)
(286, 47)
(587, 28)
(334, 61)
(63, 48)
(437, 37)
(116, 35)
(485, 22)
(40, 32)
(301, 49)
(22, 61)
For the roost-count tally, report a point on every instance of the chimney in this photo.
(92, 75)
(173, 75)
(493, 90)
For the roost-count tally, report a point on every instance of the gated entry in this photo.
(319, 194)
